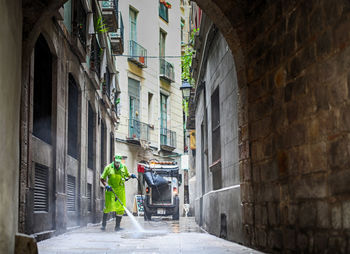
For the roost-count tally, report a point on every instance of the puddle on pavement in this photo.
(143, 234)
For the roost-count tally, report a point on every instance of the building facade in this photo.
(151, 120)
(68, 116)
(217, 200)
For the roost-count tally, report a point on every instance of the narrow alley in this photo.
(231, 118)
(161, 236)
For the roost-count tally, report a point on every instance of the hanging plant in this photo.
(166, 4)
(100, 26)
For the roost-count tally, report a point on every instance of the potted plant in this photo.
(166, 4)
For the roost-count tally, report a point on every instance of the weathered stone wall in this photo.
(68, 58)
(217, 71)
(10, 83)
(292, 62)
(298, 95)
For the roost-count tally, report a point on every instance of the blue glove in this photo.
(109, 188)
(133, 176)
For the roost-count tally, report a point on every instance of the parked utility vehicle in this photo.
(161, 186)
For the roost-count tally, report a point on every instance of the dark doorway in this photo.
(91, 126)
(42, 91)
(41, 204)
(72, 117)
(223, 226)
(111, 147)
(103, 146)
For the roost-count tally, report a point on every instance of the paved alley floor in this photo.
(159, 236)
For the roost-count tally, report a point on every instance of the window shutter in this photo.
(41, 188)
(71, 193)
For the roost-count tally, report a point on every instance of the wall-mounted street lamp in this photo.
(186, 90)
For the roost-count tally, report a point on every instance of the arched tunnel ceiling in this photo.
(35, 13)
(229, 17)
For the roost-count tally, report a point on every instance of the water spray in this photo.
(134, 221)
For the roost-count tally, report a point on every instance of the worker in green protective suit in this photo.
(117, 174)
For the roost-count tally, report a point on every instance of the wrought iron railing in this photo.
(95, 57)
(118, 37)
(138, 130)
(166, 70)
(137, 53)
(111, 7)
(108, 4)
(111, 4)
(121, 27)
(167, 137)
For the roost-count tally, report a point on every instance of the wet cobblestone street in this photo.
(160, 236)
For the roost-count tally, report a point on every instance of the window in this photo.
(42, 91)
(108, 83)
(162, 36)
(67, 20)
(91, 126)
(133, 24)
(150, 108)
(163, 118)
(163, 12)
(134, 104)
(215, 123)
(216, 140)
(80, 22)
(182, 31)
(72, 117)
(134, 96)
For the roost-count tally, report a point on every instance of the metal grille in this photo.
(166, 70)
(161, 194)
(71, 193)
(41, 188)
(89, 195)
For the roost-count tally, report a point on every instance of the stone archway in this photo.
(292, 59)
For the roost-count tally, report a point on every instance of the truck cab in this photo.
(161, 186)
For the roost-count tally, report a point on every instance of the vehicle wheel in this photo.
(146, 215)
(176, 215)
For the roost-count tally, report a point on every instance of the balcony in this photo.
(166, 71)
(167, 140)
(110, 14)
(137, 131)
(137, 54)
(117, 38)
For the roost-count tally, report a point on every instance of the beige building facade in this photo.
(150, 108)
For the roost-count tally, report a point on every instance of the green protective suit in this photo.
(116, 179)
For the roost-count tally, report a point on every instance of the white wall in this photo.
(10, 100)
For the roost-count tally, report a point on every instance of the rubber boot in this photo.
(104, 221)
(117, 223)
